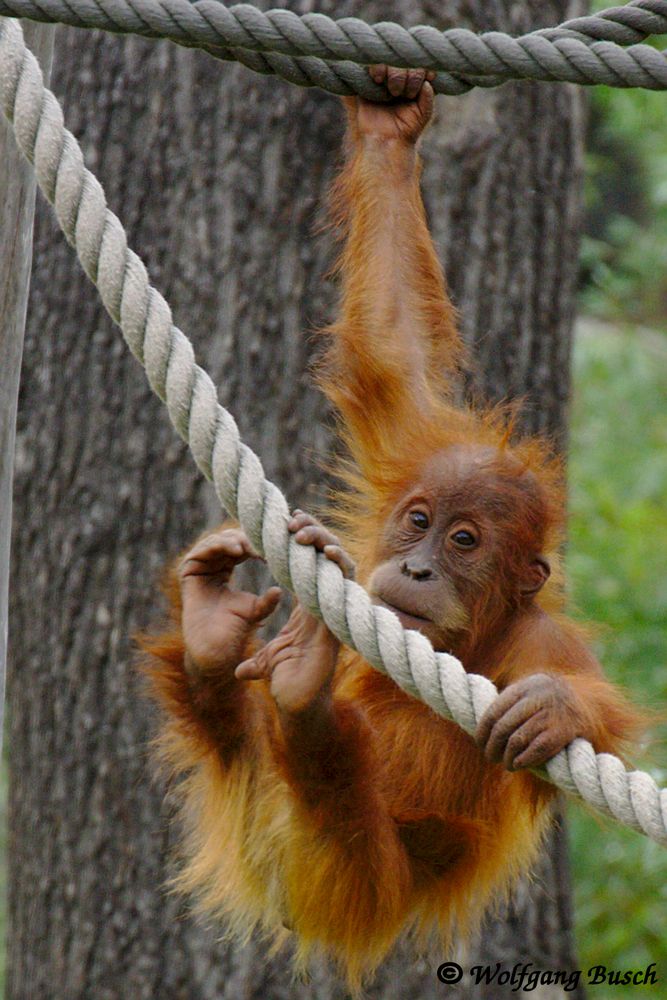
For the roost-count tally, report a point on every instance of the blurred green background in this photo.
(617, 565)
(617, 557)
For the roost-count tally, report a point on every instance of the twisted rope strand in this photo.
(624, 25)
(314, 50)
(145, 320)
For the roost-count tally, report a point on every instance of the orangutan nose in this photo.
(416, 572)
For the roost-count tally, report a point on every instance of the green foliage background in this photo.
(618, 475)
(624, 254)
(618, 575)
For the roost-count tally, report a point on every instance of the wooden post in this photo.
(17, 205)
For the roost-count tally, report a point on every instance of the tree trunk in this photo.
(220, 177)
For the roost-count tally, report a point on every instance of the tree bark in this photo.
(220, 178)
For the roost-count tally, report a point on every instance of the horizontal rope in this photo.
(145, 319)
(314, 50)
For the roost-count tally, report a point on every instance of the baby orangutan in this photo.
(316, 795)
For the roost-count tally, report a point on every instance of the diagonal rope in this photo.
(314, 50)
(440, 680)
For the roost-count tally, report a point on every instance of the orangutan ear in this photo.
(536, 576)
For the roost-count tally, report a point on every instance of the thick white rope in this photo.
(440, 680)
(314, 50)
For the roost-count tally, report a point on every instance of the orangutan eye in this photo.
(419, 519)
(464, 539)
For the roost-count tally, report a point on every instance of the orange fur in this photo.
(395, 821)
(411, 828)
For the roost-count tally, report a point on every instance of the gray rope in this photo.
(626, 25)
(440, 680)
(314, 50)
